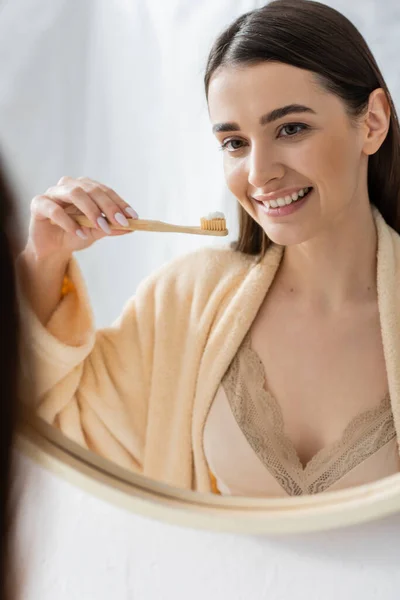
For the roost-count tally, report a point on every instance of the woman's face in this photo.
(315, 146)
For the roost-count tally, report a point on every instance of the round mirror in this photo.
(104, 479)
(213, 342)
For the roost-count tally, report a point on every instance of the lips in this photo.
(294, 197)
(283, 193)
(287, 209)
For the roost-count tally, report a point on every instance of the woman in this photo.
(269, 369)
(9, 361)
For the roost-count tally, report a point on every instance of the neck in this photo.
(336, 268)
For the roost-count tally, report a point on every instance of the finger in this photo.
(73, 194)
(45, 208)
(112, 194)
(108, 206)
(124, 206)
(64, 180)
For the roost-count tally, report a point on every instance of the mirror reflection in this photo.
(264, 363)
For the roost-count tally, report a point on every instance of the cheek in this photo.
(236, 177)
(237, 182)
(331, 159)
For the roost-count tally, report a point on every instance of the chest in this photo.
(322, 370)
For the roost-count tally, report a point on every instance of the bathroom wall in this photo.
(77, 547)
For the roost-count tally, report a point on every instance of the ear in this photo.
(377, 121)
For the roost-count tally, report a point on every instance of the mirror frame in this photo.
(99, 477)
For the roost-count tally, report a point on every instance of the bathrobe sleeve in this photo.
(94, 385)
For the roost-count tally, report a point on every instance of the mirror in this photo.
(254, 387)
(257, 516)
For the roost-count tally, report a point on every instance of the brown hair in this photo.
(9, 375)
(312, 36)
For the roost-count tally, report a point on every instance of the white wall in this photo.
(112, 89)
(80, 548)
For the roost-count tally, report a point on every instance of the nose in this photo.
(263, 167)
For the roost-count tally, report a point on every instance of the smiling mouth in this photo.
(291, 205)
(285, 201)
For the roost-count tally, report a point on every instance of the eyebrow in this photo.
(274, 115)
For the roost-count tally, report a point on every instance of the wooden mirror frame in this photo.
(99, 477)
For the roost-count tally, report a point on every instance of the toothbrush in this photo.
(211, 224)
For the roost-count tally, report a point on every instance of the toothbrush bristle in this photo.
(214, 222)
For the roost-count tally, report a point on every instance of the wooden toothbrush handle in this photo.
(143, 225)
(134, 224)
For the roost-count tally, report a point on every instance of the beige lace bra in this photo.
(249, 453)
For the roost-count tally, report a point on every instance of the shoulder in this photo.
(183, 288)
(197, 274)
(209, 264)
(387, 238)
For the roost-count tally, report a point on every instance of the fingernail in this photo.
(104, 225)
(81, 234)
(122, 220)
(132, 213)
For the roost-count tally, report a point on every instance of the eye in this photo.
(224, 145)
(302, 126)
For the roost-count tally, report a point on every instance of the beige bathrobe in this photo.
(139, 392)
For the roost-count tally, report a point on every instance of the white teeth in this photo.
(286, 200)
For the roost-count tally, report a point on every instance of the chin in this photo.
(287, 235)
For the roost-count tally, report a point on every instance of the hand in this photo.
(52, 228)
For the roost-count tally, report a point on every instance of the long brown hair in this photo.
(315, 37)
(9, 376)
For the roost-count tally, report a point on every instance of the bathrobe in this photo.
(138, 392)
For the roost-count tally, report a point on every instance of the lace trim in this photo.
(260, 418)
